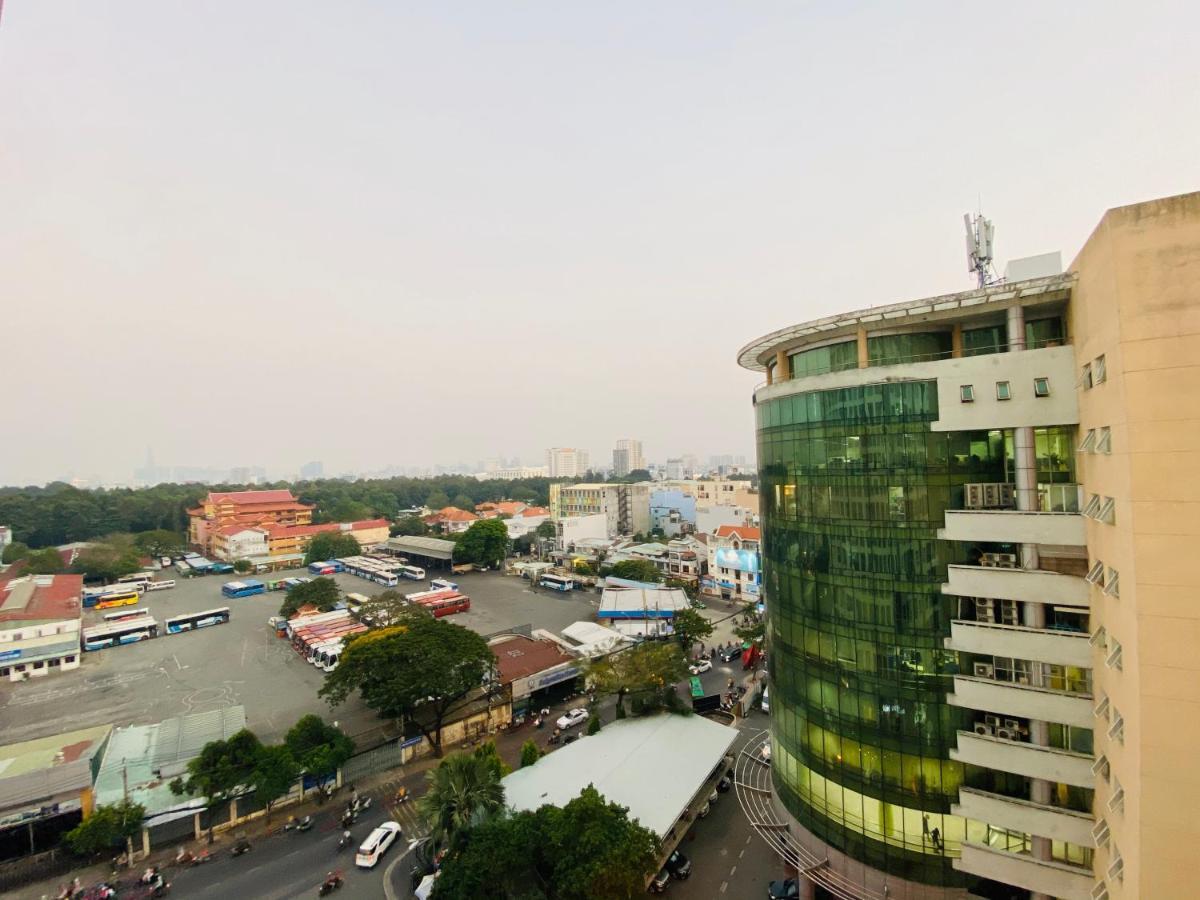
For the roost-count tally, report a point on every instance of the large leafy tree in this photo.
(586, 849)
(484, 543)
(107, 827)
(409, 525)
(464, 792)
(44, 562)
(635, 570)
(14, 551)
(331, 545)
(108, 559)
(221, 769)
(390, 608)
(690, 628)
(421, 672)
(321, 592)
(275, 771)
(159, 542)
(318, 747)
(646, 673)
(546, 529)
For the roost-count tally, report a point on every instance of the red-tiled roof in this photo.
(241, 497)
(745, 532)
(237, 528)
(57, 600)
(454, 514)
(520, 657)
(364, 524)
(534, 511)
(279, 531)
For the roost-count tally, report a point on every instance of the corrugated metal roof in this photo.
(434, 548)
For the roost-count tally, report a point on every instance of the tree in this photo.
(421, 672)
(462, 501)
(530, 753)
(321, 592)
(243, 566)
(464, 791)
(588, 848)
(320, 749)
(107, 827)
(275, 771)
(108, 559)
(343, 510)
(583, 567)
(390, 608)
(647, 673)
(159, 542)
(331, 545)
(409, 526)
(691, 628)
(437, 500)
(489, 754)
(44, 562)
(547, 529)
(220, 770)
(593, 725)
(635, 570)
(485, 543)
(13, 552)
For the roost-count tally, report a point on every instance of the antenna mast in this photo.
(980, 234)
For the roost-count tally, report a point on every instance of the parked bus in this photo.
(164, 585)
(441, 584)
(387, 579)
(557, 582)
(220, 568)
(112, 601)
(93, 594)
(117, 633)
(276, 584)
(247, 588)
(413, 572)
(122, 614)
(447, 606)
(136, 576)
(354, 601)
(328, 659)
(190, 621)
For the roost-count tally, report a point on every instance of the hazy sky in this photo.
(380, 233)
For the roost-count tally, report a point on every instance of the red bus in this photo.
(447, 606)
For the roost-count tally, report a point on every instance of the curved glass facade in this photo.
(854, 487)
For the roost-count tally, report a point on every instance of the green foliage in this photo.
(530, 753)
(243, 566)
(634, 570)
(13, 552)
(107, 827)
(691, 628)
(332, 545)
(421, 672)
(437, 500)
(647, 673)
(390, 608)
(409, 526)
(546, 529)
(688, 587)
(593, 725)
(586, 849)
(320, 749)
(275, 771)
(159, 542)
(464, 792)
(583, 567)
(321, 592)
(44, 562)
(489, 754)
(462, 501)
(108, 559)
(221, 767)
(341, 509)
(485, 543)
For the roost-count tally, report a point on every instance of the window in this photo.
(40, 664)
(1088, 440)
(1108, 512)
(1085, 381)
(1003, 390)
(1104, 440)
(1093, 506)
(69, 659)
(1100, 370)
(966, 393)
(1041, 387)
(1112, 584)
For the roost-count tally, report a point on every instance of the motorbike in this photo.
(402, 795)
(330, 884)
(349, 818)
(242, 846)
(345, 840)
(361, 804)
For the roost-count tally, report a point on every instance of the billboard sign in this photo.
(739, 560)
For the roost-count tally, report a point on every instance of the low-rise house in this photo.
(40, 623)
(451, 519)
(734, 564)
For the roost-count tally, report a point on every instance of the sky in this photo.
(392, 234)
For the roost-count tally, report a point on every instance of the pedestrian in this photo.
(936, 837)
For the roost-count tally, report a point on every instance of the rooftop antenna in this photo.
(980, 235)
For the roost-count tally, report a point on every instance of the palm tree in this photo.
(464, 791)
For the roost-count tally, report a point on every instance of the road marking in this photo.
(743, 853)
(177, 663)
(732, 871)
(724, 884)
(748, 839)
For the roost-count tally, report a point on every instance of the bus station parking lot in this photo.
(243, 662)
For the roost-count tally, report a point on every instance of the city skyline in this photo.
(466, 256)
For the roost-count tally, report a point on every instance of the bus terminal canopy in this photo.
(430, 548)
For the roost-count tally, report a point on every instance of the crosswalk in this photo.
(405, 813)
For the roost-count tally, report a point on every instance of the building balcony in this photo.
(1063, 648)
(1029, 585)
(1030, 760)
(1048, 877)
(1025, 816)
(1011, 526)
(1022, 701)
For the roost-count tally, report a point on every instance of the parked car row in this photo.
(678, 867)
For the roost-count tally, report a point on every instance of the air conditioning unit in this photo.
(984, 728)
(1005, 734)
(983, 610)
(1008, 612)
(973, 496)
(989, 495)
(993, 721)
(1012, 725)
(985, 670)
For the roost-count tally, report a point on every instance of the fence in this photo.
(379, 759)
(22, 871)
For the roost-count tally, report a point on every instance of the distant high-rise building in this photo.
(311, 471)
(627, 457)
(566, 462)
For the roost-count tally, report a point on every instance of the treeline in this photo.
(59, 513)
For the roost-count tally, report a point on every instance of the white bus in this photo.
(356, 600)
(387, 579)
(326, 656)
(147, 577)
(161, 585)
(113, 634)
(413, 572)
(441, 584)
(557, 582)
(107, 589)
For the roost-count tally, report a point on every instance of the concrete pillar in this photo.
(956, 345)
(197, 831)
(145, 842)
(782, 373)
(864, 357)
(233, 810)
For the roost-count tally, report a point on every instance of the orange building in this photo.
(247, 508)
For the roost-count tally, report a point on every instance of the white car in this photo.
(572, 718)
(705, 665)
(376, 845)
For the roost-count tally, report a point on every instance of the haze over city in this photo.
(379, 235)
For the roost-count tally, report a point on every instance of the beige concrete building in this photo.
(626, 507)
(978, 513)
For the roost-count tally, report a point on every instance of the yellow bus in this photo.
(130, 598)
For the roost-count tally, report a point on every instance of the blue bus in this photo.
(113, 634)
(247, 588)
(191, 621)
(326, 568)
